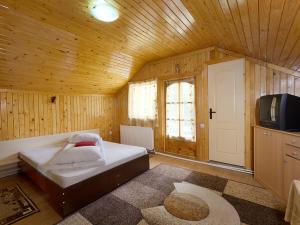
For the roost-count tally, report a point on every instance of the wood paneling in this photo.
(181, 148)
(261, 78)
(57, 46)
(27, 114)
(191, 64)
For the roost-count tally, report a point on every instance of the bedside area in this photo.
(276, 159)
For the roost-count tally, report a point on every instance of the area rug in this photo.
(14, 205)
(124, 206)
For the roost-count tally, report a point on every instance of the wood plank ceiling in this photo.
(56, 45)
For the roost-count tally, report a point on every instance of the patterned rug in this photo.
(14, 205)
(123, 206)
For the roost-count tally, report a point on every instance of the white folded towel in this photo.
(70, 157)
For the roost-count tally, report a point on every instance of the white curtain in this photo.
(142, 100)
(180, 110)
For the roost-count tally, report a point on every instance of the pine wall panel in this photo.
(27, 114)
(261, 78)
(191, 64)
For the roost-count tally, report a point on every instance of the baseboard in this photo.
(219, 165)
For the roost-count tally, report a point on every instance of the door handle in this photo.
(210, 113)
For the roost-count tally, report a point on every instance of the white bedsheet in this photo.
(37, 157)
(115, 155)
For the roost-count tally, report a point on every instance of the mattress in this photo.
(37, 157)
(115, 155)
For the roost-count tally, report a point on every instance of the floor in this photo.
(48, 216)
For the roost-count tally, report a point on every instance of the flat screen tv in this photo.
(280, 111)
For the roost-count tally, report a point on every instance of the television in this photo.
(280, 111)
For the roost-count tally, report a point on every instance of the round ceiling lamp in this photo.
(105, 12)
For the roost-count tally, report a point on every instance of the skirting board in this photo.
(220, 165)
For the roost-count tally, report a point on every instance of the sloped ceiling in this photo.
(56, 45)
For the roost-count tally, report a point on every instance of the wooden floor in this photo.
(48, 216)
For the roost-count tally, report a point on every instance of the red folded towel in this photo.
(85, 143)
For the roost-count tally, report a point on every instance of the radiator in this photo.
(138, 136)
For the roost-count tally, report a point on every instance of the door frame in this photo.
(184, 142)
(201, 77)
(247, 125)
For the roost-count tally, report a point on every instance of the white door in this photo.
(226, 97)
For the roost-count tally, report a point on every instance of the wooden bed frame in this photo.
(67, 200)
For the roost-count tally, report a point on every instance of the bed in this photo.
(123, 162)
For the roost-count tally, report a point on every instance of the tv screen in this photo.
(269, 110)
(280, 111)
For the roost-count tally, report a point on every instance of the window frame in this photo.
(192, 80)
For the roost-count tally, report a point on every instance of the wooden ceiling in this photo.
(56, 45)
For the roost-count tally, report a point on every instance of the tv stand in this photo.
(276, 159)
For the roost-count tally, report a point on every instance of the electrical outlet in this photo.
(110, 132)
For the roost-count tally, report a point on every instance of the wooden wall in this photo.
(191, 64)
(261, 78)
(27, 114)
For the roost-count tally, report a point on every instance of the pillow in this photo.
(75, 138)
(71, 154)
(85, 143)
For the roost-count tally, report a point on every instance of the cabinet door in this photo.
(268, 159)
(291, 172)
(261, 139)
(274, 163)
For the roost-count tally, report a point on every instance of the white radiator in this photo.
(138, 136)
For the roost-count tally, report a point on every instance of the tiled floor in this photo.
(48, 216)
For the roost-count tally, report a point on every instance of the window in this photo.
(180, 109)
(142, 100)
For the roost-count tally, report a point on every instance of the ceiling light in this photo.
(105, 12)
